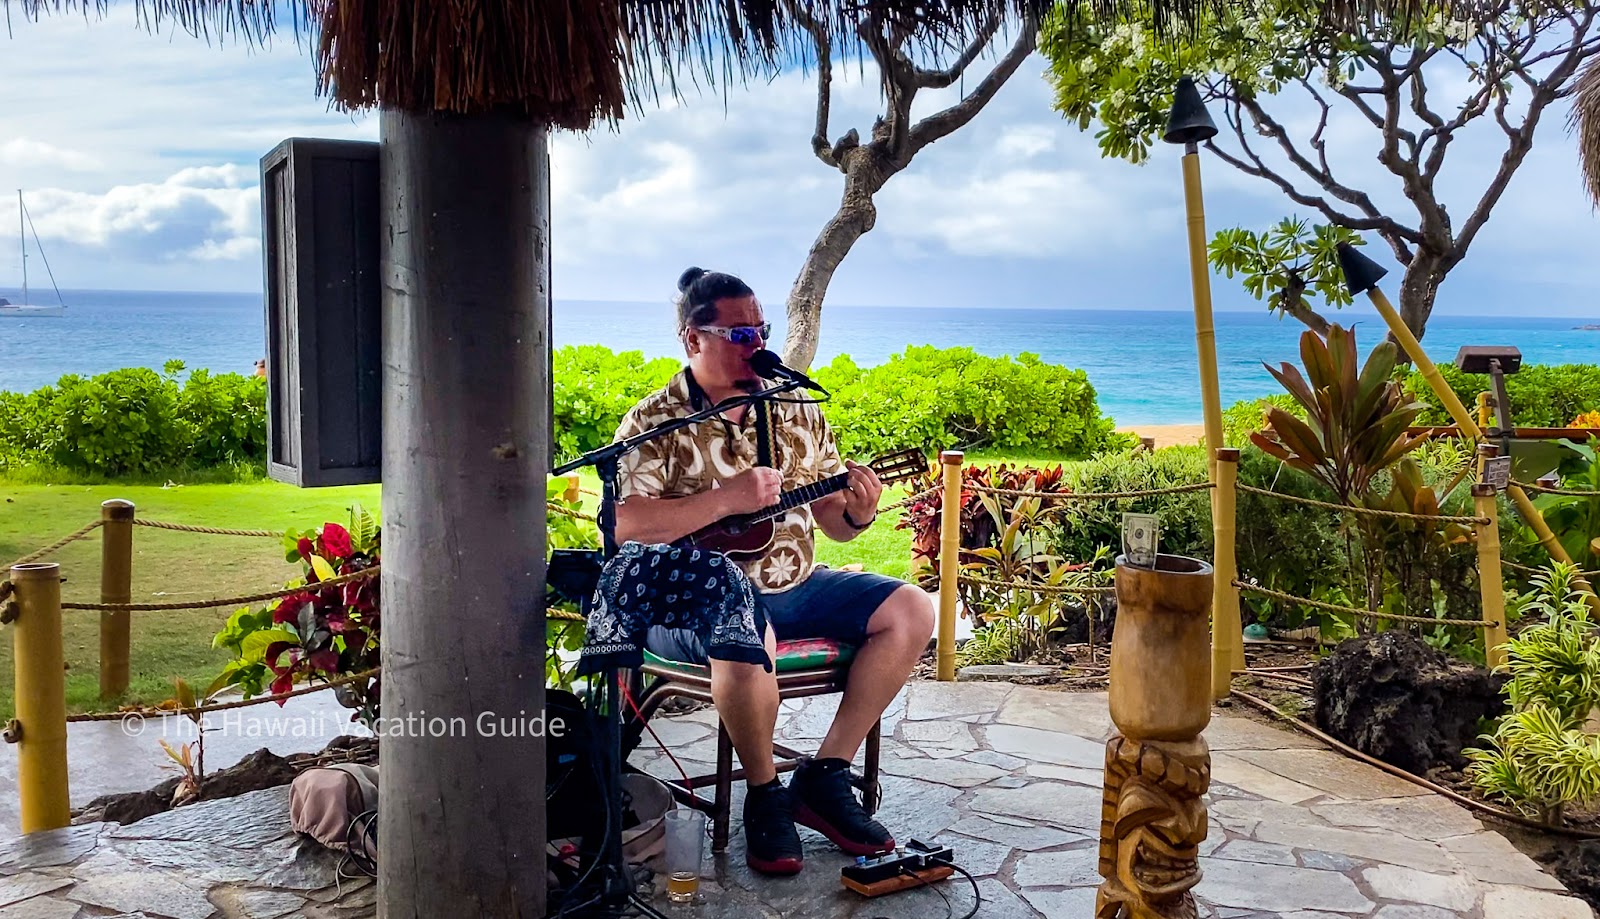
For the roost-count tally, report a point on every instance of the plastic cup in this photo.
(686, 841)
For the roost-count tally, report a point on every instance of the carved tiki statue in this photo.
(1153, 821)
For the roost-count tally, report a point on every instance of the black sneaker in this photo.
(771, 844)
(826, 802)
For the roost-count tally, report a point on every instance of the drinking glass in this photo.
(686, 840)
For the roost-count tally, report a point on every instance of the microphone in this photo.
(768, 366)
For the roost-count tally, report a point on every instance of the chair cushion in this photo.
(799, 654)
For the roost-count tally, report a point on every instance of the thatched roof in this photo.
(571, 63)
(1586, 122)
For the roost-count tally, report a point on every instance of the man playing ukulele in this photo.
(675, 485)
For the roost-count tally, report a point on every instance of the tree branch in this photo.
(942, 123)
(1392, 230)
(1297, 307)
(1545, 92)
(940, 79)
(819, 138)
(1317, 142)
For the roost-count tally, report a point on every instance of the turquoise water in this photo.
(1142, 363)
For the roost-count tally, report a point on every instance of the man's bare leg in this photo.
(897, 636)
(746, 696)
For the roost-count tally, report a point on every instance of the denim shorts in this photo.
(828, 604)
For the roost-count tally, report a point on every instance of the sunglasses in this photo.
(740, 334)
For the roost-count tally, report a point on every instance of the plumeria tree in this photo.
(1416, 82)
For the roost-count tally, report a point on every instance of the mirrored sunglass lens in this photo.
(745, 335)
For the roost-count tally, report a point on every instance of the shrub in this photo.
(593, 387)
(136, 421)
(222, 418)
(1185, 518)
(1542, 395)
(1249, 416)
(1540, 758)
(120, 422)
(936, 399)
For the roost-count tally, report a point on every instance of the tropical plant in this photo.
(1586, 420)
(1540, 758)
(1355, 428)
(1575, 518)
(316, 633)
(1356, 419)
(924, 515)
(190, 758)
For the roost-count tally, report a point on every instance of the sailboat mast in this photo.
(22, 239)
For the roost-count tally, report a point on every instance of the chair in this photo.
(806, 667)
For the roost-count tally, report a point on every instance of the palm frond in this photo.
(1586, 124)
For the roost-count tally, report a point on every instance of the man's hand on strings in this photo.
(751, 490)
(861, 497)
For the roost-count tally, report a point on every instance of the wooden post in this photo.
(1227, 630)
(466, 446)
(949, 561)
(116, 586)
(40, 728)
(1158, 766)
(1494, 597)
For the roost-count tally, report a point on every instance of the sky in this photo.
(139, 158)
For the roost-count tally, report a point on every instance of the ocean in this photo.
(1141, 363)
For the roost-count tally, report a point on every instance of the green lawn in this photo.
(170, 565)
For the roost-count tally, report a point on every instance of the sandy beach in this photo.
(1168, 435)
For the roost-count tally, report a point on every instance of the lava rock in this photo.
(1579, 869)
(1394, 697)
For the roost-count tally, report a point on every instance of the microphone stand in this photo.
(617, 891)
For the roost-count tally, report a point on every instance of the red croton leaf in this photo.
(305, 547)
(289, 609)
(326, 660)
(336, 541)
(283, 684)
(274, 651)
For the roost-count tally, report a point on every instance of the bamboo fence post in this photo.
(949, 561)
(1494, 597)
(40, 727)
(116, 586)
(1227, 630)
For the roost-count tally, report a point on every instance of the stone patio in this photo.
(1009, 776)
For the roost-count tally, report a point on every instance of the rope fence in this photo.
(1037, 587)
(1570, 492)
(56, 546)
(228, 601)
(1365, 613)
(1530, 570)
(210, 531)
(222, 706)
(568, 512)
(1089, 495)
(1371, 512)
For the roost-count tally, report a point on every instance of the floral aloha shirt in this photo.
(693, 459)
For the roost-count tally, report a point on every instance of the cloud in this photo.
(207, 212)
(22, 151)
(996, 213)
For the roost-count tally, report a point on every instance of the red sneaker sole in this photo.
(807, 817)
(778, 866)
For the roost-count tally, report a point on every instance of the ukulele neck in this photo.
(805, 494)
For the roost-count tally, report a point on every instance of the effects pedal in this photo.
(913, 865)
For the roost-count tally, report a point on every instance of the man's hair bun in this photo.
(687, 279)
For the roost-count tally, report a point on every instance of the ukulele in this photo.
(747, 536)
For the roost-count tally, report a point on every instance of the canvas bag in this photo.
(323, 801)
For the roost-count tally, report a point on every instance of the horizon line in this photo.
(891, 306)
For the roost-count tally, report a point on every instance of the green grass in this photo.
(169, 565)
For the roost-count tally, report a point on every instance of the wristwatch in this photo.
(858, 526)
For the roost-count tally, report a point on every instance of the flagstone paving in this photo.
(1008, 776)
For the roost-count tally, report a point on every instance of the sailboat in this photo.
(25, 308)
